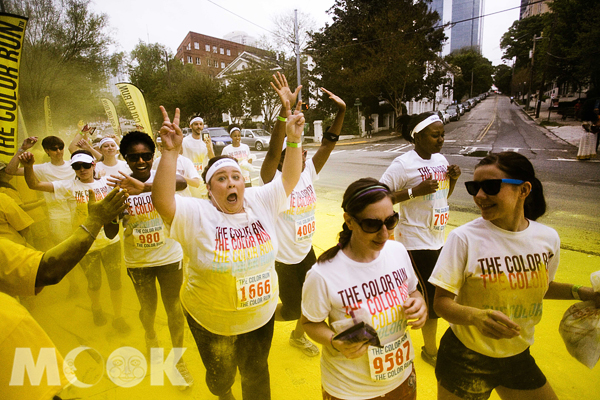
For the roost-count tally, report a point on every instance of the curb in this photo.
(545, 130)
(348, 142)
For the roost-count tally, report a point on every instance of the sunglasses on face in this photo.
(491, 187)
(135, 157)
(56, 148)
(77, 166)
(372, 225)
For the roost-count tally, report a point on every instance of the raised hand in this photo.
(170, 132)
(84, 144)
(126, 182)
(29, 142)
(295, 123)
(109, 208)
(283, 90)
(339, 102)
(27, 159)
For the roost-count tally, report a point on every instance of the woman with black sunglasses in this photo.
(106, 250)
(368, 279)
(422, 180)
(491, 279)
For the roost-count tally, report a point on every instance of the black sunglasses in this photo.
(77, 166)
(56, 148)
(491, 187)
(372, 225)
(136, 156)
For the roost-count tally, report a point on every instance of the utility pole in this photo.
(297, 39)
(531, 72)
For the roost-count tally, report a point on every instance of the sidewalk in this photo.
(568, 130)
(345, 140)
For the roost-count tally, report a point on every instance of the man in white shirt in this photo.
(198, 150)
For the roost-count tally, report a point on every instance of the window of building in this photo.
(214, 49)
(189, 46)
(196, 45)
(182, 61)
(222, 50)
(207, 47)
(228, 52)
(197, 60)
(222, 65)
(190, 60)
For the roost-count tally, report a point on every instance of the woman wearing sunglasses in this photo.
(422, 180)
(491, 278)
(370, 279)
(106, 250)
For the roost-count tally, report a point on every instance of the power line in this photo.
(245, 19)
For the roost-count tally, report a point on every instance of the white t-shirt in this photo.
(145, 239)
(75, 189)
(107, 170)
(49, 172)
(195, 150)
(377, 290)
(422, 219)
(185, 168)
(242, 155)
(231, 286)
(296, 226)
(489, 268)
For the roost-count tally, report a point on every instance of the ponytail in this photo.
(535, 203)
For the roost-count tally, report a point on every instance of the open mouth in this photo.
(485, 207)
(232, 198)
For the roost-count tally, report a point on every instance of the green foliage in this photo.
(471, 64)
(378, 49)
(503, 77)
(518, 40)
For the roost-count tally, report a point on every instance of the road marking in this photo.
(572, 159)
(486, 129)
(397, 149)
(337, 152)
(513, 149)
(449, 141)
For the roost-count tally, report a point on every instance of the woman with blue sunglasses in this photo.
(491, 278)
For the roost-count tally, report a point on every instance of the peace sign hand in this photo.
(170, 132)
(295, 123)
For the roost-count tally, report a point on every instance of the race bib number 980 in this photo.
(253, 290)
(146, 238)
(392, 360)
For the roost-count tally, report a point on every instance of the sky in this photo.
(168, 22)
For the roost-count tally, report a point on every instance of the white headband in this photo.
(235, 128)
(223, 162)
(81, 157)
(425, 123)
(196, 119)
(106, 140)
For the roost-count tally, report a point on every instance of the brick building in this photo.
(209, 54)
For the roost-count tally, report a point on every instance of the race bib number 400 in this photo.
(392, 360)
(440, 218)
(305, 228)
(253, 290)
(146, 238)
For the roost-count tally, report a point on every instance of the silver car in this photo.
(257, 139)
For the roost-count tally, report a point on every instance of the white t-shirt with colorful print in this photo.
(377, 290)
(424, 218)
(489, 268)
(231, 286)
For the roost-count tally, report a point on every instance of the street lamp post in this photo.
(357, 104)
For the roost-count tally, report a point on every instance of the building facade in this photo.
(467, 33)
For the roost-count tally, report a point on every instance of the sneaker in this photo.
(307, 347)
(428, 358)
(121, 326)
(185, 373)
(99, 317)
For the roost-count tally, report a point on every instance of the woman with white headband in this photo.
(231, 289)
(110, 164)
(421, 181)
(106, 250)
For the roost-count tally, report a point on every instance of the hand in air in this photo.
(29, 142)
(283, 90)
(132, 185)
(295, 123)
(170, 132)
(338, 101)
(109, 208)
(27, 159)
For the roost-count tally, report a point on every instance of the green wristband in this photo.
(282, 119)
(292, 144)
(575, 291)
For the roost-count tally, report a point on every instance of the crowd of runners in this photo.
(232, 258)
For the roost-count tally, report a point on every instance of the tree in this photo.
(503, 78)
(518, 40)
(284, 35)
(380, 49)
(65, 56)
(474, 68)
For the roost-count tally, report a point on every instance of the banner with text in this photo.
(12, 35)
(113, 117)
(134, 100)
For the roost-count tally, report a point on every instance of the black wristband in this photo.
(331, 137)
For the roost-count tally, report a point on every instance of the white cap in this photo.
(425, 123)
(83, 158)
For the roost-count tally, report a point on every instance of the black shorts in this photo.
(291, 279)
(472, 376)
(423, 264)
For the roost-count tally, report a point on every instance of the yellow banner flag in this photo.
(134, 100)
(12, 34)
(48, 117)
(111, 113)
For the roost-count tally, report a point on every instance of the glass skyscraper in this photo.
(466, 33)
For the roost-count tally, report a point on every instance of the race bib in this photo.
(199, 167)
(305, 228)
(392, 360)
(253, 290)
(146, 238)
(440, 218)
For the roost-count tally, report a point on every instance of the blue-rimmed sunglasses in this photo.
(491, 187)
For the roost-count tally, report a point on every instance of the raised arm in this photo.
(332, 135)
(33, 182)
(61, 259)
(163, 188)
(135, 186)
(292, 164)
(271, 161)
(85, 145)
(12, 168)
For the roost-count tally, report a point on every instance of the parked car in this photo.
(443, 116)
(466, 105)
(472, 102)
(461, 109)
(219, 137)
(453, 112)
(257, 139)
